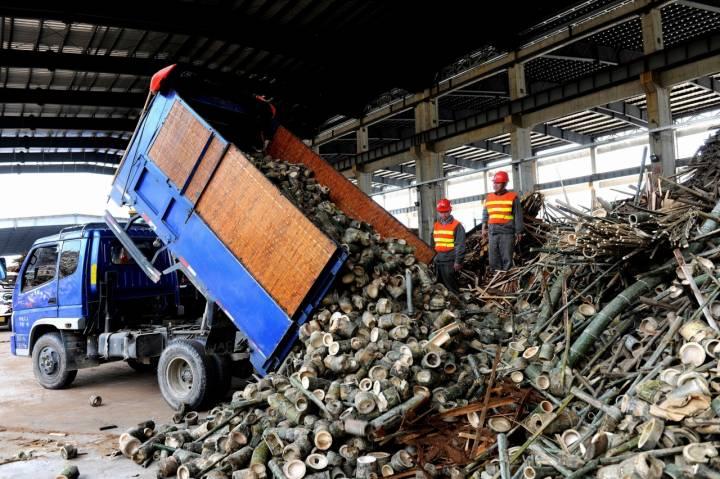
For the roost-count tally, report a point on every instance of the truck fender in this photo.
(43, 326)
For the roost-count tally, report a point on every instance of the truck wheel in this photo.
(50, 362)
(142, 367)
(183, 374)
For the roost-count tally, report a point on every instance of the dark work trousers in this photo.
(500, 251)
(446, 275)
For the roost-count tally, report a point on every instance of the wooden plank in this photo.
(277, 244)
(283, 250)
(179, 144)
(207, 165)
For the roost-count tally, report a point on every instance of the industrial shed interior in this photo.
(244, 239)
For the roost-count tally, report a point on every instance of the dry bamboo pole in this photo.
(537, 433)
(706, 235)
(628, 445)
(698, 194)
(568, 333)
(503, 453)
(543, 454)
(655, 453)
(298, 385)
(239, 407)
(687, 271)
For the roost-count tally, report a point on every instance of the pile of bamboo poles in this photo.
(615, 325)
(589, 359)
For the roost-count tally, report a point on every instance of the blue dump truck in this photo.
(206, 217)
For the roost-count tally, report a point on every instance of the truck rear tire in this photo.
(220, 377)
(183, 374)
(50, 362)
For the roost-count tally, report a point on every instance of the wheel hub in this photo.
(187, 376)
(179, 376)
(49, 361)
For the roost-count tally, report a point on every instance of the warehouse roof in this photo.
(589, 62)
(317, 57)
(74, 76)
(18, 234)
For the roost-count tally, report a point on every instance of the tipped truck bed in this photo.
(245, 245)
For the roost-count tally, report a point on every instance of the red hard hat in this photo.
(443, 206)
(501, 177)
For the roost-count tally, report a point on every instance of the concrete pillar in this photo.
(662, 143)
(652, 32)
(428, 167)
(364, 179)
(524, 174)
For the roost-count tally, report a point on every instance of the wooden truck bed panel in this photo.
(283, 250)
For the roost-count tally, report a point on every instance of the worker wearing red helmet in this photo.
(449, 244)
(503, 221)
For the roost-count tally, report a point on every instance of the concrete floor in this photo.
(34, 420)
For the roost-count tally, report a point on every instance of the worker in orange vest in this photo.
(449, 244)
(503, 221)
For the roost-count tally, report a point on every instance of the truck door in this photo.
(35, 294)
(70, 281)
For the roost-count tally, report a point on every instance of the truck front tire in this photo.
(183, 374)
(50, 362)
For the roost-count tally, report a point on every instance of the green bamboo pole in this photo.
(550, 300)
(599, 324)
(555, 292)
(261, 454)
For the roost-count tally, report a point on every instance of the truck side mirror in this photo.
(3, 269)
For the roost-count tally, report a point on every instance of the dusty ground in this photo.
(34, 420)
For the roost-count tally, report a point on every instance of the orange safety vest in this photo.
(444, 236)
(499, 207)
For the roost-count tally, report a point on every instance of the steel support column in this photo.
(524, 174)
(662, 143)
(428, 166)
(593, 170)
(364, 178)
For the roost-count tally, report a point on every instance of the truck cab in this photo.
(80, 300)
